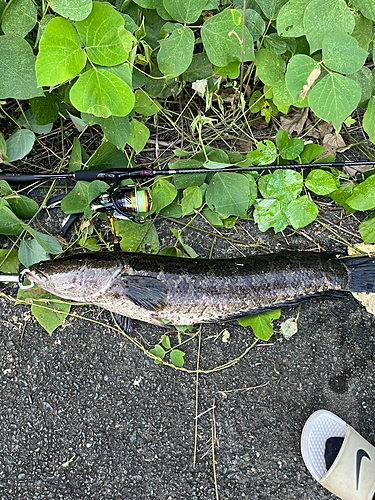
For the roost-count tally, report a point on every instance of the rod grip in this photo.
(87, 175)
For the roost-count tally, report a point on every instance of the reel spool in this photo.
(125, 203)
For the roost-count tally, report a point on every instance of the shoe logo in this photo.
(360, 455)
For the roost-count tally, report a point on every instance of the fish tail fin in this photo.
(361, 272)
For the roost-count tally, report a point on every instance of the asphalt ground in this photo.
(86, 414)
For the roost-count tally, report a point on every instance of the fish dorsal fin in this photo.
(146, 292)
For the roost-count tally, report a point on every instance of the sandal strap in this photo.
(352, 474)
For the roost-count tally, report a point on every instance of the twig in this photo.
(197, 400)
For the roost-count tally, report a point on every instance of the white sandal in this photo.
(338, 457)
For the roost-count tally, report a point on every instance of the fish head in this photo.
(78, 279)
(63, 283)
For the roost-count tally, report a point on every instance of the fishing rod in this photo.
(118, 175)
(126, 202)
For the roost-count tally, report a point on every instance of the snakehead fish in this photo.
(180, 291)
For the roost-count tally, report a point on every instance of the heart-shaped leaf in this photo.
(19, 17)
(104, 35)
(176, 51)
(76, 10)
(17, 69)
(334, 98)
(222, 38)
(101, 93)
(342, 54)
(187, 11)
(324, 17)
(60, 55)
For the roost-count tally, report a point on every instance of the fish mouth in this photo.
(35, 277)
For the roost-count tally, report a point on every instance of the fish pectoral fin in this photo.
(124, 323)
(146, 292)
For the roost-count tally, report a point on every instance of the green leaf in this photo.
(49, 244)
(31, 252)
(5, 190)
(270, 67)
(183, 181)
(45, 109)
(265, 154)
(20, 17)
(185, 12)
(104, 35)
(282, 98)
(9, 262)
(163, 193)
(289, 149)
(22, 206)
(261, 324)
(76, 10)
(166, 342)
(276, 44)
(289, 21)
(255, 24)
(123, 71)
(10, 224)
(325, 17)
(108, 156)
(102, 94)
(222, 38)
(192, 199)
(256, 102)
(137, 237)
(83, 193)
(369, 120)
(271, 8)
(176, 51)
(311, 152)
(228, 194)
(213, 217)
(75, 162)
(299, 70)
(365, 79)
(367, 229)
(60, 55)
(284, 185)
(342, 54)
(199, 69)
(20, 144)
(341, 195)
(321, 182)
(363, 31)
(187, 248)
(232, 70)
(91, 244)
(334, 98)
(3, 149)
(144, 104)
(367, 7)
(363, 196)
(17, 69)
(146, 4)
(50, 311)
(301, 212)
(177, 358)
(159, 352)
(139, 136)
(116, 129)
(31, 123)
(270, 213)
